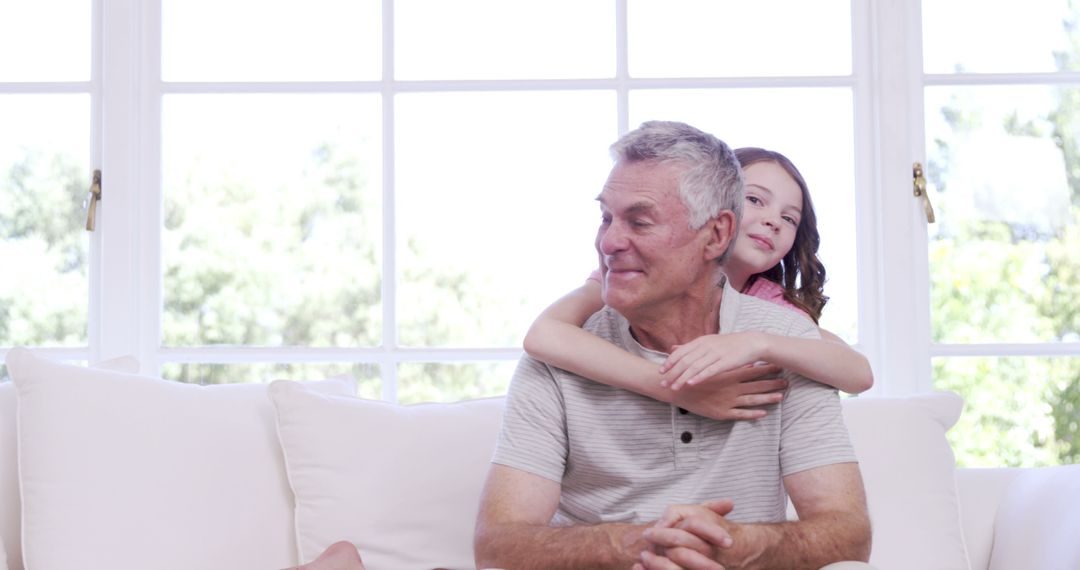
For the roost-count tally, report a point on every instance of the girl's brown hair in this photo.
(800, 271)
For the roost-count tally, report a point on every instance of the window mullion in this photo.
(901, 268)
(114, 306)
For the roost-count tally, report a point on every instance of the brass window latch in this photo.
(919, 182)
(92, 201)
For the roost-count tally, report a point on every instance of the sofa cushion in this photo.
(132, 472)
(1038, 521)
(980, 491)
(401, 482)
(9, 472)
(908, 470)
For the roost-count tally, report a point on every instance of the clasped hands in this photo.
(689, 536)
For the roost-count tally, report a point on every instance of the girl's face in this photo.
(771, 215)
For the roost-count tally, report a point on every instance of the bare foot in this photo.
(339, 556)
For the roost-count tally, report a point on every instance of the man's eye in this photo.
(605, 219)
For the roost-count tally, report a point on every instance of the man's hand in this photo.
(689, 536)
(734, 395)
(833, 526)
(708, 356)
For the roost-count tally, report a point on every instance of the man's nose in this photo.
(611, 239)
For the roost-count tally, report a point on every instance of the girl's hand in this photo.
(710, 355)
(735, 395)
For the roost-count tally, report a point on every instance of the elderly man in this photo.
(590, 476)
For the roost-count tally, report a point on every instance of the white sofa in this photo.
(108, 469)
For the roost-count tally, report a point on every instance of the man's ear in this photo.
(721, 235)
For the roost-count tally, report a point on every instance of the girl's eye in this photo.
(753, 200)
(791, 220)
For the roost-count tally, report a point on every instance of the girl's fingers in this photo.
(763, 386)
(751, 400)
(745, 414)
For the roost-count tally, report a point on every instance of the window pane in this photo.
(272, 220)
(435, 382)
(496, 209)
(44, 177)
(1004, 174)
(999, 36)
(1021, 412)
(251, 40)
(495, 39)
(821, 144)
(706, 38)
(367, 377)
(45, 40)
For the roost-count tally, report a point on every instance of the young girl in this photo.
(774, 258)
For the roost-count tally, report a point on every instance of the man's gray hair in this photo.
(712, 182)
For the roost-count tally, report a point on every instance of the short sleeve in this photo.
(533, 435)
(812, 430)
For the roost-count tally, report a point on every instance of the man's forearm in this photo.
(828, 538)
(523, 546)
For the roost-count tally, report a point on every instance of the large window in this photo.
(396, 188)
(1001, 125)
(47, 87)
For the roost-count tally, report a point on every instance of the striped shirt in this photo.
(622, 457)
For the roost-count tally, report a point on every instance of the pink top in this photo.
(772, 292)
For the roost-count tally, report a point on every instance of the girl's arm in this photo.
(829, 360)
(556, 337)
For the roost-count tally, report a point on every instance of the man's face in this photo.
(648, 254)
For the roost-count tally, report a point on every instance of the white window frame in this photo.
(128, 289)
(886, 80)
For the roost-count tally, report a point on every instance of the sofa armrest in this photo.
(1038, 520)
(980, 491)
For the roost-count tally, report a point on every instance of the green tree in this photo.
(301, 266)
(45, 251)
(989, 275)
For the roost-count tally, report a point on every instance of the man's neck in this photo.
(680, 321)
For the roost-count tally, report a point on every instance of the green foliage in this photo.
(367, 375)
(992, 281)
(295, 266)
(443, 382)
(1008, 417)
(43, 244)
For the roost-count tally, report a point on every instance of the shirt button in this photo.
(683, 411)
(687, 437)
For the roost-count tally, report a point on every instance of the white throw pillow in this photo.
(10, 503)
(402, 483)
(130, 472)
(908, 468)
(1038, 521)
